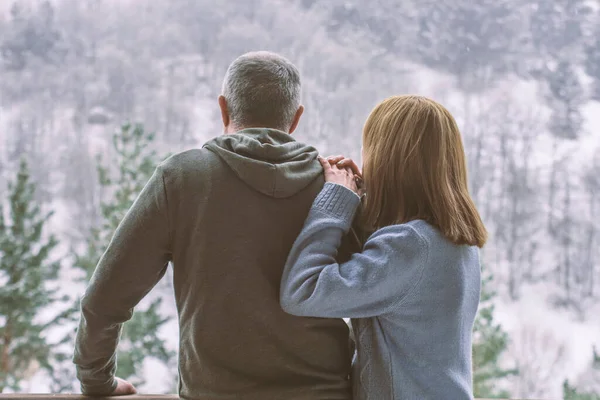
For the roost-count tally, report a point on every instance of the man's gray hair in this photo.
(262, 89)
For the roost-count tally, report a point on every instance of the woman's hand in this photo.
(343, 162)
(341, 176)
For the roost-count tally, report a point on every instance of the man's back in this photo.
(226, 216)
(236, 206)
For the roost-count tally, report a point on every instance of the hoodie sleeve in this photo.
(371, 283)
(135, 260)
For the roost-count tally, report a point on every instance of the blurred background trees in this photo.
(522, 78)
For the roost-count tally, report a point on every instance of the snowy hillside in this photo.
(521, 78)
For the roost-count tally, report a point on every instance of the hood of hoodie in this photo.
(268, 160)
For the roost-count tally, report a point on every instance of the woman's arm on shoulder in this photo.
(371, 283)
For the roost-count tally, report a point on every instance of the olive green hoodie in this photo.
(226, 217)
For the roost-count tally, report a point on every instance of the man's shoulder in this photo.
(193, 160)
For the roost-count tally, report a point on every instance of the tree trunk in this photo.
(5, 355)
(169, 117)
(552, 192)
(477, 181)
(567, 239)
(590, 256)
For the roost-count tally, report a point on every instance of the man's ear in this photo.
(224, 112)
(296, 119)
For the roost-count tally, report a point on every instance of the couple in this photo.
(267, 258)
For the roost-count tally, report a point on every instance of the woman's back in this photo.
(413, 290)
(411, 293)
(425, 338)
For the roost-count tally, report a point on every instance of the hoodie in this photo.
(225, 217)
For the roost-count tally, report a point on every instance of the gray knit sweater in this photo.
(412, 296)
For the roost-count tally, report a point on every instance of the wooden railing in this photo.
(18, 396)
(81, 397)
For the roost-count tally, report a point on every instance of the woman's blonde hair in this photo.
(415, 168)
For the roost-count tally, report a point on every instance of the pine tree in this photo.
(565, 98)
(135, 164)
(28, 298)
(473, 41)
(588, 393)
(571, 393)
(556, 27)
(592, 61)
(489, 342)
(33, 34)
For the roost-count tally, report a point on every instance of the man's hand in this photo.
(123, 388)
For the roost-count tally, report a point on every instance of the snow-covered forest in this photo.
(94, 93)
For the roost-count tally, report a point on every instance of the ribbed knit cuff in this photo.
(338, 201)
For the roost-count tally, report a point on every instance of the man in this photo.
(226, 217)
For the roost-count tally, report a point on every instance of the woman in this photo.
(413, 291)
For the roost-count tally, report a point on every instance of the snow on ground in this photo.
(537, 330)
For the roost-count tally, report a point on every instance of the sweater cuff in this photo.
(338, 201)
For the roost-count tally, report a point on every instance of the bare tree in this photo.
(540, 357)
(511, 200)
(591, 180)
